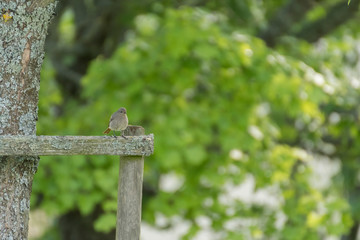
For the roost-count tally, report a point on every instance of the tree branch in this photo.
(284, 19)
(336, 16)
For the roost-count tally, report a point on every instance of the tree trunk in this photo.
(23, 27)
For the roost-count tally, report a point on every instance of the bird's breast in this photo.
(119, 123)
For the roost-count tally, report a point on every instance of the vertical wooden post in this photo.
(130, 192)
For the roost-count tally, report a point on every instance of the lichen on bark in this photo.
(21, 54)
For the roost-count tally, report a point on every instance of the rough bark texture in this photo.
(21, 55)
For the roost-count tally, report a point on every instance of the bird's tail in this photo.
(107, 131)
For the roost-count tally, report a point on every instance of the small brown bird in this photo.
(118, 122)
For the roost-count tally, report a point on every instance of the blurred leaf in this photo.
(106, 222)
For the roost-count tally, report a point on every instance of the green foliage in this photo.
(106, 222)
(223, 107)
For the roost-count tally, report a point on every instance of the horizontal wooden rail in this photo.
(76, 145)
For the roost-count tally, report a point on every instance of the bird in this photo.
(118, 122)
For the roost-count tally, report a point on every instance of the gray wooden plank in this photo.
(130, 194)
(76, 145)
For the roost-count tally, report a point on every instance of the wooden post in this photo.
(130, 192)
(131, 150)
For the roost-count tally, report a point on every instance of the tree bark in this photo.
(22, 39)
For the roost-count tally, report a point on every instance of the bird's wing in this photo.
(115, 114)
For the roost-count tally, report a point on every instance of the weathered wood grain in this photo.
(76, 145)
(130, 194)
